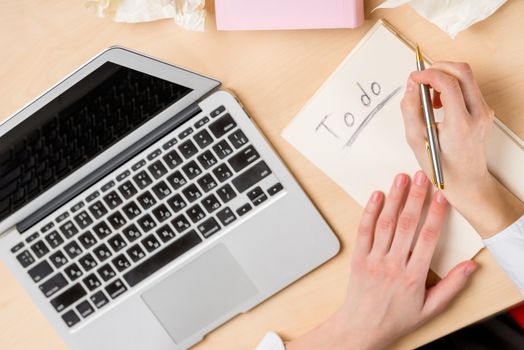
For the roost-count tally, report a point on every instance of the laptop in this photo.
(140, 207)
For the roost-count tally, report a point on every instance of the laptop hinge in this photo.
(108, 167)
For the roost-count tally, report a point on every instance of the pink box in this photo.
(288, 14)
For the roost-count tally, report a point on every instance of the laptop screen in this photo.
(75, 127)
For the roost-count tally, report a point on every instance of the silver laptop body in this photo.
(141, 208)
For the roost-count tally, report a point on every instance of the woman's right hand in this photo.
(463, 134)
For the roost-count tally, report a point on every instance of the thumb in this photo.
(439, 296)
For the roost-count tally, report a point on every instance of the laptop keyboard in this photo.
(171, 198)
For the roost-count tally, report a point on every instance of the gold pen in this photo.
(432, 142)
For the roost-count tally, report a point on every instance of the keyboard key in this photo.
(131, 210)
(176, 180)
(54, 239)
(237, 139)
(218, 111)
(222, 126)
(47, 227)
(107, 186)
(68, 229)
(146, 223)
(208, 227)
(138, 165)
(131, 232)
(226, 216)
(162, 258)
(77, 207)
(112, 199)
(62, 217)
(222, 172)
(116, 220)
(25, 258)
(40, 249)
(87, 239)
(127, 189)
(121, 263)
(207, 183)
(151, 243)
(53, 285)
(136, 253)
(92, 282)
(106, 272)
(192, 170)
(275, 189)
(92, 196)
(192, 193)
(102, 252)
(203, 139)
(176, 203)
(243, 158)
(211, 203)
(154, 154)
(97, 209)
(185, 133)
(88, 262)
(117, 242)
(102, 230)
(142, 180)
(146, 200)
(157, 169)
(202, 122)
(115, 289)
(226, 193)
(161, 213)
(68, 297)
(169, 144)
(172, 159)
(222, 149)
(73, 271)
(85, 309)
(58, 259)
(32, 237)
(70, 318)
(251, 176)
(244, 209)
(165, 233)
(123, 175)
(161, 190)
(99, 299)
(207, 159)
(188, 149)
(40, 271)
(83, 219)
(256, 195)
(180, 223)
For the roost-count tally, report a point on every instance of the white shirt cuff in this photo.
(271, 341)
(508, 249)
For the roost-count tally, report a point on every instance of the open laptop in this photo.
(140, 208)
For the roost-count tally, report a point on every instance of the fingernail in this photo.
(420, 178)
(401, 180)
(375, 197)
(440, 197)
(470, 269)
(410, 85)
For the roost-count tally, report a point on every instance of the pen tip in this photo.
(419, 54)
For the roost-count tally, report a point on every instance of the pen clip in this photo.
(433, 176)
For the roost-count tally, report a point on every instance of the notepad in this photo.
(352, 129)
(288, 14)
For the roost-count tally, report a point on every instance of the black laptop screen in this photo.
(75, 127)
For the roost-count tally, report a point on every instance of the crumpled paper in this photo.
(189, 14)
(452, 16)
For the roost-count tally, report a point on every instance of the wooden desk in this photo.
(274, 74)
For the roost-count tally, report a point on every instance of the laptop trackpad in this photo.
(199, 293)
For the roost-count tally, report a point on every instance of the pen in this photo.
(432, 143)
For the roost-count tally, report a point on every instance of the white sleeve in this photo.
(271, 341)
(508, 249)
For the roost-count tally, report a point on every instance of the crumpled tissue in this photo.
(452, 16)
(189, 14)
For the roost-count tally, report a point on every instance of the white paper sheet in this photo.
(352, 129)
(452, 16)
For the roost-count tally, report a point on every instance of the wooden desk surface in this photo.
(274, 74)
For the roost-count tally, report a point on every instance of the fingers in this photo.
(475, 102)
(409, 218)
(447, 85)
(439, 296)
(412, 116)
(366, 229)
(387, 220)
(429, 233)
